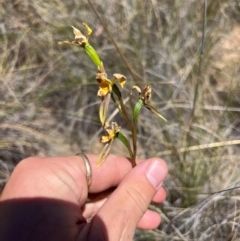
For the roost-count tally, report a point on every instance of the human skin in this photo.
(48, 199)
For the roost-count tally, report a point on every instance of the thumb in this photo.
(126, 206)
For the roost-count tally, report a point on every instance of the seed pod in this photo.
(91, 52)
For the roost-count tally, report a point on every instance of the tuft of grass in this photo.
(49, 93)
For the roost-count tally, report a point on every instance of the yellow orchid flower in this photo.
(105, 84)
(144, 97)
(82, 40)
(144, 94)
(121, 79)
(112, 133)
(79, 39)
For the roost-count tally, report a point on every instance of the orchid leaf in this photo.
(120, 136)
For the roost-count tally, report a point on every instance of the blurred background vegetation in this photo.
(48, 103)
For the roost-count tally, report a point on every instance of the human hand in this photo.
(46, 199)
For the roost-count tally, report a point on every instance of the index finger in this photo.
(109, 174)
(63, 177)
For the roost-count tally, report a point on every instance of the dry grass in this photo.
(48, 102)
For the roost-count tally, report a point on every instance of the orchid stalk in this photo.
(109, 90)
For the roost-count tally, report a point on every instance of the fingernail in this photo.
(155, 174)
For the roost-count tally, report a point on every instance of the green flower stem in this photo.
(124, 113)
(122, 110)
(134, 143)
(137, 108)
(121, 105)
